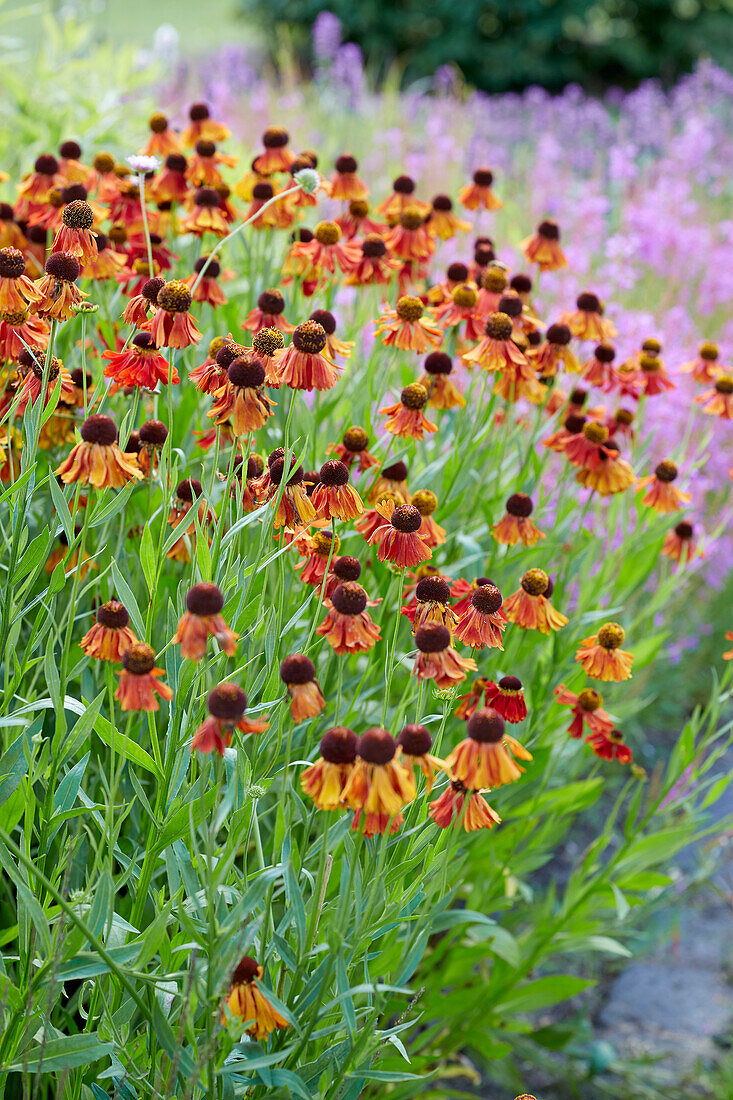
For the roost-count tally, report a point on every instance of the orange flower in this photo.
(345, 183)
(456, 274)
(74, 237)
(486, 758)
(294, 511)
(374, 266)
(543, 248)
(443, 223)
(587, 321)
(416, 742)
(226, 705)
(241, 399)
(17, 291)
(206, 215)
(320, 550)
(572, 426)
(392, 480)
(719, 400)
(585, 448)
(483, 622)
(206, 289)
(202, 126)
(137, 309)
(652, 376)
(406, 327)
(139, 683)
(19, 330)
(333, 496)
(706, 367)
(507, 698)
(410, 239)
(601, 655)
(379, 785)
(398, 537)
(246, 1001)
(681, 545)
(497, 351)
(269, 313)
(151, 439)
(334, 346)
(462, 591)
(201, 619)
(442, 394)
(431, 603)
(276, 157)
(470, 701)
(242, 487)
(302, 366)
(277, 216)
(162, 139)
(529, 606)
(348, 627)
(107, 264)
(401, 199)
(325, 780)
(598, 371)
(586, 708)
(625, 380)
(97, 460)
(140, 365)
(450, 808)
(662, 495)
(516, 525)
(478, 193)
(462, 307)
(343, 568)
(426, 503)
(187, 491)
(354, 448)
(110, 636)
(609, 746)
(171, 185)
(493, 284)
(71, 560)
(172, 325)
(437, 660)
(406, 419)
(555, 351)
(328, 251)
(298, 673)
(58, 378)
(36, 188)
(610, 474)
(729, 638)
(57, 293)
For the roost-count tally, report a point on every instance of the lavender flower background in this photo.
(639, 182)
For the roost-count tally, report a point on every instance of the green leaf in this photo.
(147, 560)
(127, 597)
(125, 746)
(542, 993)
(63, 1054)
(13, 766)
(33, 555)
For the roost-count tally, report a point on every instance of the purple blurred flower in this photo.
(326, 36)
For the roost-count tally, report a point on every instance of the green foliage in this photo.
(505, 46)
(136, 874)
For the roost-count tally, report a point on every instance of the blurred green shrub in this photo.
(504, 45)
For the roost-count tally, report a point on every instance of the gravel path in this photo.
(674, 1003)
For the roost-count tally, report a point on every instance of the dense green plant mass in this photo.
(136, 872)
(507, 46)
